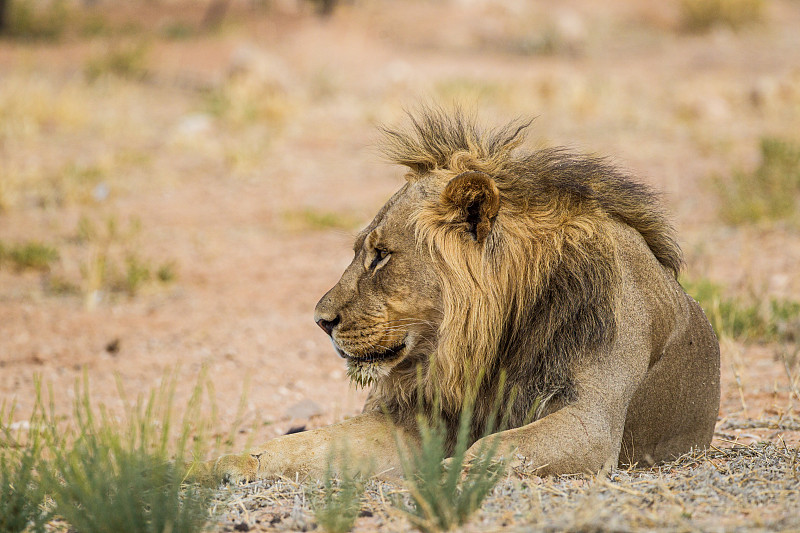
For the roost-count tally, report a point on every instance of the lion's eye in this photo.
(380, 256)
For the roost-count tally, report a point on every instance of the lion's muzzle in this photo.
(377, 356)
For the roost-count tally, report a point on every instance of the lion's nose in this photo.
(328, 325)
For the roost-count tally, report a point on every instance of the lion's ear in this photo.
(472, 199)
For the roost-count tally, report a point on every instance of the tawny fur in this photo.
(542, 282)
(540, 293)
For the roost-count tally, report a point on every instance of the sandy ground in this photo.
(246, 158)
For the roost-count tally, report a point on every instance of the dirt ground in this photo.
(241, 159)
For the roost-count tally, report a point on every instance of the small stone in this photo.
(113, 347)
(100, 192)
(194, 125)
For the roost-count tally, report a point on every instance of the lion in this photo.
(552, 272)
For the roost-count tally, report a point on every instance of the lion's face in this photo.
(386, 307)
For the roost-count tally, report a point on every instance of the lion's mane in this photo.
(542, 290)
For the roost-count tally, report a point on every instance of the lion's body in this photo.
(676, 403)
(551, 272)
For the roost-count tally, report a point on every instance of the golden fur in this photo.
(540, 292)
(540, 281)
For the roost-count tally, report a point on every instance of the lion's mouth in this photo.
(372, 357)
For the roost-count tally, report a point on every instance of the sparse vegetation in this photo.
(248, 98)
(94, 25)
(443, 495)
(748, 320)
(770, 192)
(167, 273)
(114, 263)
(702, 15)
(73, 184)
(29, 256)
(60, 286)
(336, 502)
(108, 475)
(124, 60)
(313, 219)
(469, 89)
(547, 40)
(29, 20)
(137, 272)
(21, 494)
(100, 472)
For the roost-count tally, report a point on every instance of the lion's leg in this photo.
(658, 387)
(582, 437)
(566, 442)
(369, 442)
(675, 408)
(586, 435)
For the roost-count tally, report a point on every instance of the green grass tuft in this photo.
(444, 496)
(766, 321)
(29, 256)
(337, 504)
(137, 273)
(770, 192)
(94, 25)
(21, 494)
(110, 475)
(167, 272)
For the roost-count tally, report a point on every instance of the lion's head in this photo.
(487, 260)
(387, 306)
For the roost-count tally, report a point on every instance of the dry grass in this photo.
(112, 262)
(44, 117)
(336, 503)
(754, 488)
(702, 15)
(126, 60)
(249, 96)
(309, 219)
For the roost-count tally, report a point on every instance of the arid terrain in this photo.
(178, 188)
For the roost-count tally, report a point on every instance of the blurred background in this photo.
(180, 180)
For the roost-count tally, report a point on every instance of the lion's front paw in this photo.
(236, 469)
(450, 463)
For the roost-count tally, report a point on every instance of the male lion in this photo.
(554, 270)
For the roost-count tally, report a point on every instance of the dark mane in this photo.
(541, 293)
(436, 136)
